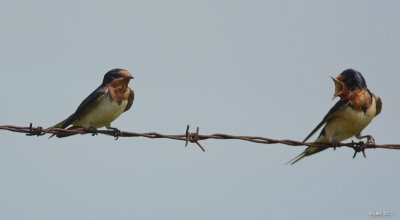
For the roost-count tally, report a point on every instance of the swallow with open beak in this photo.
(103, 105)
(349, 116)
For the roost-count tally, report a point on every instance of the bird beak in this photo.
(128, 77)
(339, 85)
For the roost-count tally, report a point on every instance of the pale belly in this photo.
(102, 115)
(347, 123)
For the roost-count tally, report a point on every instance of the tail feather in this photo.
(62, 124)
(297, 158)
(66, 134)
(310, 150)
(52, 134)
(70, 128)
(307, 152)
(59, 125)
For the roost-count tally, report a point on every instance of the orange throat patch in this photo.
(360, 99)
(119, 89)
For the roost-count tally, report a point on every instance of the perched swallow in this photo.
(103, 105)
(349, 116)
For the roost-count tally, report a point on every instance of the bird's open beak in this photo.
(339, 85)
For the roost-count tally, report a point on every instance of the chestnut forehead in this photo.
(124, 73)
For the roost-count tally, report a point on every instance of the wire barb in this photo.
(193, 138)
(35, 131)
(360, 147)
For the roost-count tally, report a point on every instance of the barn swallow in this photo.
(349, 116)
(103, 105)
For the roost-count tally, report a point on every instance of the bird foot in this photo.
(117, 132)
(93, 131)
(370, 139)
(335, 144)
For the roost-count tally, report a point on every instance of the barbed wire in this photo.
(195, 137)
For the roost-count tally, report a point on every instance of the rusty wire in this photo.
(195, 137)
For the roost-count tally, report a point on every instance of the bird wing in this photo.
(86, 105)
(378, 105)
(339, 105)
(131, 97)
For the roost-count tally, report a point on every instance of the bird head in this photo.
(348, 81)
(117, 75)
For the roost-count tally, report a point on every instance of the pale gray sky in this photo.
(237, 67)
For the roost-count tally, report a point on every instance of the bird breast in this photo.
(349, 122)
(103, 113)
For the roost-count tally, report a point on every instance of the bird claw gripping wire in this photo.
(117, 133)
(35, 131)
(93, 131)
(370, 139)
(335, 144)
(193, 138)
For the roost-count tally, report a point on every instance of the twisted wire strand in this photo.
(195, 137)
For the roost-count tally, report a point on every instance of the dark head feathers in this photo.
(110, 75)
(353, 79)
